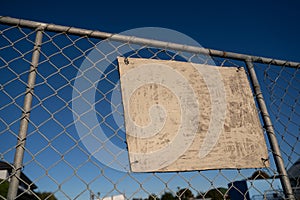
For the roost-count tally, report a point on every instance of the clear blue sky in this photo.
(263, 28)
(266, 28)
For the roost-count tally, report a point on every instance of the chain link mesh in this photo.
(62, 167)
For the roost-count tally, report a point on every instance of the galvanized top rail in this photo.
(143, 41)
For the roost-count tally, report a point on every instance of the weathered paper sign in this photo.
(182, 116)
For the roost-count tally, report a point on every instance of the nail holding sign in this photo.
(181, 116)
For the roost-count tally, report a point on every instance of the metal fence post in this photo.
(20, 148)
(285, 181)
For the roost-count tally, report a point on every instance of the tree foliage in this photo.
(3, 188)
(217, 194)
(187, 194)
(259, 174)
(46, 195)
(184, 194)
(167, 196)
(152, 197)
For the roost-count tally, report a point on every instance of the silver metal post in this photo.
(20, 148)
(285, 181)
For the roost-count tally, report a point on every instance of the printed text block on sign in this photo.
(182, 116)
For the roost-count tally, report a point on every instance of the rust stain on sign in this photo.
(182, 116)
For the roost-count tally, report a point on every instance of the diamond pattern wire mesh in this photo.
(62, 167)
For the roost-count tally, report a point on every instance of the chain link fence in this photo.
(39, 66)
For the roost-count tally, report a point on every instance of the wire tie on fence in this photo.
(67, 30)
(264, 160)
(134, 162)
(90, 34)
(224, 53)
(19, 22)
(271, 61)
(126, 61)
(238, 68)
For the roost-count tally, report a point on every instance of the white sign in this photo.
(181, 116)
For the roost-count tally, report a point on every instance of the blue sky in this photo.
(263, 28)
(268, 28)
